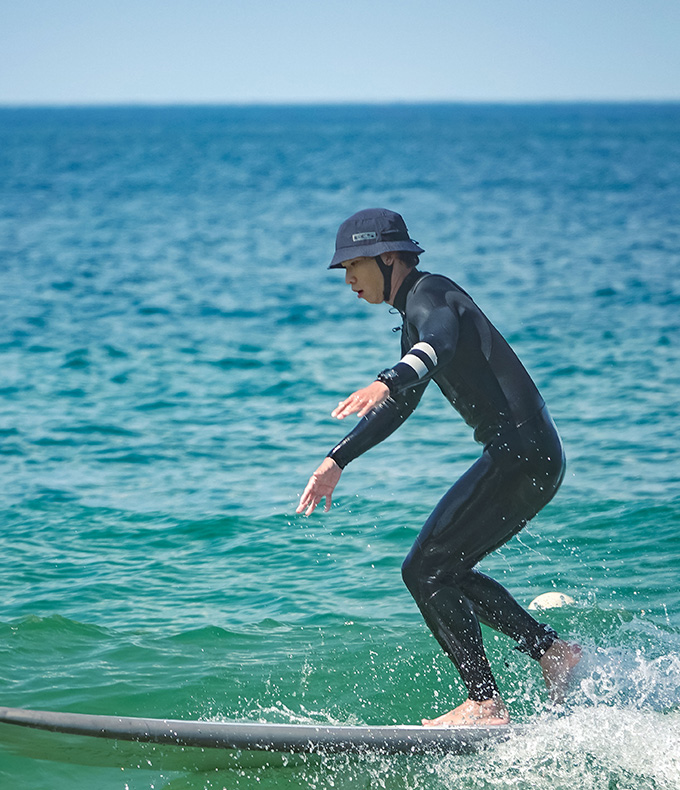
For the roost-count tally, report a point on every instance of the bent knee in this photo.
(411, 571)
(423, 575)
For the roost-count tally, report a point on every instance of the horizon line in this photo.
(152, 103)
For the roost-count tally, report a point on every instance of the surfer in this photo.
(445, 337)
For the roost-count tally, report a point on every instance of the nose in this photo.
(349, 279)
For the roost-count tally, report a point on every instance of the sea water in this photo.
(171, 347)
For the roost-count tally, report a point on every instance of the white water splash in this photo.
(598, 748)
(618, 676)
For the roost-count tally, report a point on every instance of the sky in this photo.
(307, 51)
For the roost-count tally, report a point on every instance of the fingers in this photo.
(364, 411)
(355, 402)
(345, 407)
(301, 506)
(321, 484)
(358, 402)
(309, 499)
(311, 496)
(308, 502)
(362, 401)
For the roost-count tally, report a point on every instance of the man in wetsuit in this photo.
(447, 338)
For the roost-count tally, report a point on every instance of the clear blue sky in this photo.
(254, 51)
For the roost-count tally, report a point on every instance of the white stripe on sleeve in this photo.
(416, 363)
(427, 349)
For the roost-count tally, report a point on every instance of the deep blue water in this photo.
(171, 346)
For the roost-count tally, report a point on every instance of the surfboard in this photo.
(246, 738)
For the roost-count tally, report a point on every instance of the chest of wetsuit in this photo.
(447, 338)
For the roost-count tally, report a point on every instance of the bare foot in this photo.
(558, 663)
(482, 714)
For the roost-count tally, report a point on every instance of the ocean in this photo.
(171, 347)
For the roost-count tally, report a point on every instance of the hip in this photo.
(533, 448)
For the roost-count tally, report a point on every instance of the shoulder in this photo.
(431, 303)
(432, 290)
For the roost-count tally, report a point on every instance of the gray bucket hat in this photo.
(369, 233)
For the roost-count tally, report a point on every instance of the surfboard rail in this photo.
(256, 736)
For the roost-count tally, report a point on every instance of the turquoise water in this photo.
(171, 346)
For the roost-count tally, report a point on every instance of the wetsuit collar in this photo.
(411, 279)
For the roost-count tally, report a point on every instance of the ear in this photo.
(389, 258)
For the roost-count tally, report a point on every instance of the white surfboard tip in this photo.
(551, 600)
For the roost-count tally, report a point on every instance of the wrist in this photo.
(337, 463)
(388, 377)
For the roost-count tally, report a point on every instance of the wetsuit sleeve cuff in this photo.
(397, 378)
(389, 379)
(336, 455)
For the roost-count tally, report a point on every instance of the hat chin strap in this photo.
(387, 277)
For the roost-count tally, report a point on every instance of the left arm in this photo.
(382, 415)
(322, 483)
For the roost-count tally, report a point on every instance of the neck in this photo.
(400, 293)
(399, 273)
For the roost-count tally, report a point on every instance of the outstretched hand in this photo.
(362, 401)
(321, 484)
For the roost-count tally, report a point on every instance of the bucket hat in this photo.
(371, 232)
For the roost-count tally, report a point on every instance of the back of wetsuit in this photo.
(446, 337)
(477, 371)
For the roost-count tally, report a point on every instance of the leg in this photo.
(496, 608)
(452, 620)
(483, 510)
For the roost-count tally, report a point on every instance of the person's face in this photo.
(365, 278)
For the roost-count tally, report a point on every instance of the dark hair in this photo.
(411, 259)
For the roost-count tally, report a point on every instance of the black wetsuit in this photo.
(446, 337)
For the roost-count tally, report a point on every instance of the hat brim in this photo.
(371, 250)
